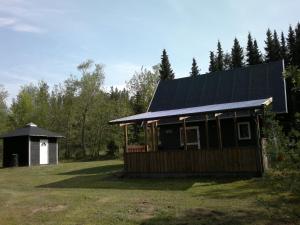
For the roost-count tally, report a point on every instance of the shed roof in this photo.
(233, 106)
(31, 130)
(237, 85)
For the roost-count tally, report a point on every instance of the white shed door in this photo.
(44, 151)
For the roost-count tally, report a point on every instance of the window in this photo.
(192, 136)
(244, 131)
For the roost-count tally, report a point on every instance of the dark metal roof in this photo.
(31, 130)
(237, 85)
(224, 107)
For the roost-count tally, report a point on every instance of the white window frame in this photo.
(239, 130)
(191, 143)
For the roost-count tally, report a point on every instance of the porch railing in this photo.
(242, 159)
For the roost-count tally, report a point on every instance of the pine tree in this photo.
(237, 55)
(283, 49)
(166, 72)
(297, 45)
(227, 61)
(291, 44)
(276, 45)
(269, 55)
(195, 70)
(212, 62)
(220, 57)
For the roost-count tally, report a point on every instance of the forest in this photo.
(80, 107)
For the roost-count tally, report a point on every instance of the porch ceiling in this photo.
(216, 108)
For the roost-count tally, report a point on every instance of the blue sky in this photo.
(46, 40)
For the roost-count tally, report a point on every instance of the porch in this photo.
(213, 157)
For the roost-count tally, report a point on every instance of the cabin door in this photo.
(44, 151)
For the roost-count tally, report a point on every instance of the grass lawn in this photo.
(88, 193)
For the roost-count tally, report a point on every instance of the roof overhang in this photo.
(215, 108)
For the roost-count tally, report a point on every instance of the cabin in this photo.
(30, 146)
(207, 125)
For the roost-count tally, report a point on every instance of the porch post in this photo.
(156, 136)
(146, 136)
(206, 131)
(184, 134)
(235, 130)
(219, 132)
(125, 139)
(152, 137)
(259, 148)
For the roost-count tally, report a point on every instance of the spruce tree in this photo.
(269, 48)
(297, 45)
(212, 62)
(194, 70)
(237, 55)
(250, 50)
(283, 49)
(227, 61)
(291, 44)
(276, 45)
(220, 57)
(166, 73)
(257, 57)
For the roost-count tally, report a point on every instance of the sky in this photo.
(46, 40)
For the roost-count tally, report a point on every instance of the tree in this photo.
(89, 85)
(220, 57)
(297, 45)
(283, 49)
(227, 61)
(166, 73)
(237, 55)
(142, 86)
(257, 57)
(291, 45)
(194, 70)
(212, 62)
(253, 54)
(250, 50)
(277, 47)
(269, 48)
(3, 109)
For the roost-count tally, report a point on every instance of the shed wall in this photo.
(15, 145)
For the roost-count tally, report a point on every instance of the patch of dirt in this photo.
(201, 212)
(55, 208)
(103, 200)
(143, 210)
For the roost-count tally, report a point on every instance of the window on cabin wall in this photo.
(192, 136)
(244, 131)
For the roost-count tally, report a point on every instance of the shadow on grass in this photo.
(205, 216)
(95, 170)
(104, 177)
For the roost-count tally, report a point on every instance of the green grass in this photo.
(89, 193)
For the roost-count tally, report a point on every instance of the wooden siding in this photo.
(229, 160)
(35, 150)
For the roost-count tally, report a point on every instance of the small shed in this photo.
(29, 146)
